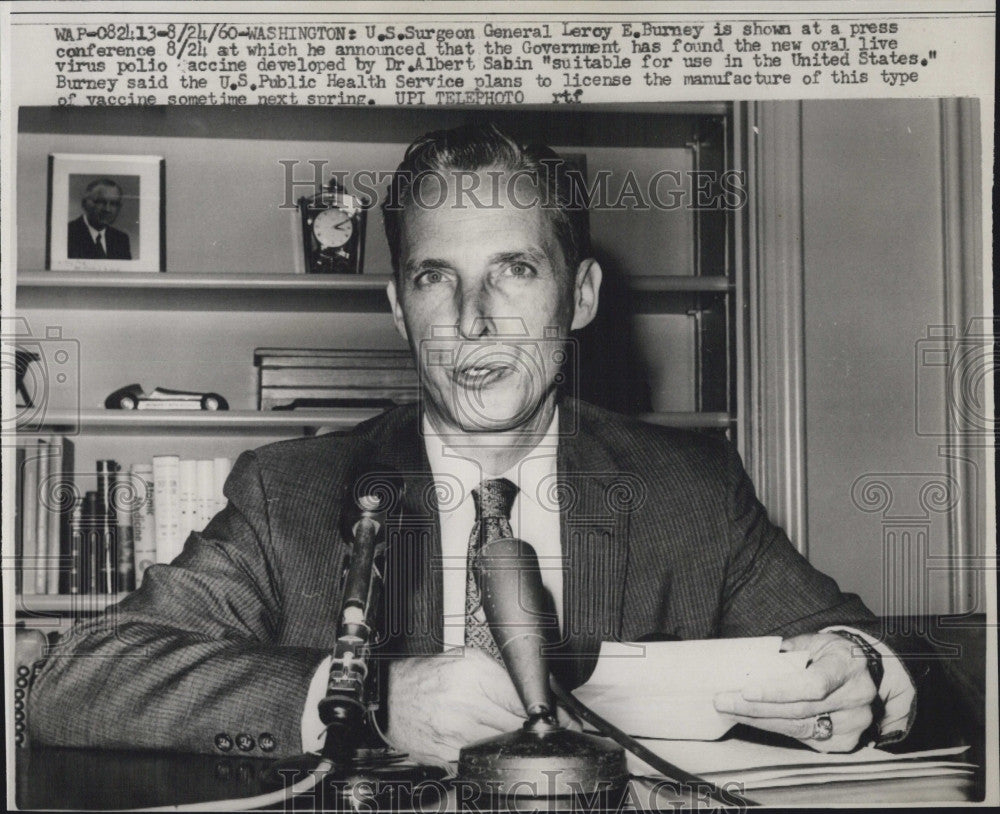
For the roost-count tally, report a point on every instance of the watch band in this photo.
(877, 671)
(873, 657)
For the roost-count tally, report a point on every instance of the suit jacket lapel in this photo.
(594, 531)
(414, 620)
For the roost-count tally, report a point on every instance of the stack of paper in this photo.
(662, 692)
(758, 766)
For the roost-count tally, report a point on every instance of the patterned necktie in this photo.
(494, 500)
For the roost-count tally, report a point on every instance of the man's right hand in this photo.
(438, 704)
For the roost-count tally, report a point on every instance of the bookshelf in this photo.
(672, 283)
(250, 421)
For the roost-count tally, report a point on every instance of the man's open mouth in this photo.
(476, 377)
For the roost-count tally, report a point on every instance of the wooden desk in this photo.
(101, 780)
(951, 712)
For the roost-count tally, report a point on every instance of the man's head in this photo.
(102, 201)
(491, 272)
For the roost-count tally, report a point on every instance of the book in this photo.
(221, 468)
(29, 519)
(107, 575)
(19, 458)
(166, 472)
(143, 520)
(123, 499)
(57, 498)
(90, 543)
(75, 583)
(205, 492)
(41, 519)
(187, 490)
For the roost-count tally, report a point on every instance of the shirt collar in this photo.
(94, 233)
(530, 474)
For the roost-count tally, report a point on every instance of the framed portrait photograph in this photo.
(105, 213)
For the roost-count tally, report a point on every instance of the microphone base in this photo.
(551, 763)
(383, 778)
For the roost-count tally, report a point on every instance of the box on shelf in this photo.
(303, 377)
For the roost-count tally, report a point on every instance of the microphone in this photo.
(514, 600)
(541, 759)
(352, 692)
(355, 757)
(510, 585)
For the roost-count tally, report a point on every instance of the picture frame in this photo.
(106, 213)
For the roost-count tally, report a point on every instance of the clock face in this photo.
(332, 228)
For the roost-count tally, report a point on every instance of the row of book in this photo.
(74, 540)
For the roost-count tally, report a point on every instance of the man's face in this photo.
(102, 205)
(486, 302)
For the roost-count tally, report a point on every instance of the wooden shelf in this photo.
(207, 281)
(66, 603)
(692, 420)
(223, 421)
(254, 292)
(667, 284)
(254, 421)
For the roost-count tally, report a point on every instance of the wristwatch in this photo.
(877, 671)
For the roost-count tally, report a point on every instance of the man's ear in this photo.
(397, 309)
(586, 291)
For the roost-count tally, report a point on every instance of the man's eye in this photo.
(429, 277)
(520, 270)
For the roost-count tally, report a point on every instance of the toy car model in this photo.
(132, 397)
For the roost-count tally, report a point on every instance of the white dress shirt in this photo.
(534, 518)
(96, 235)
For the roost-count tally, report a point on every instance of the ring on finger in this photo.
(822, 727)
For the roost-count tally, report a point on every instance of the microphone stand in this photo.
(354, 747)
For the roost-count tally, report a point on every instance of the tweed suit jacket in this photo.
(661, 534)
(80, 245)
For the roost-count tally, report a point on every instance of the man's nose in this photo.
(475, 314)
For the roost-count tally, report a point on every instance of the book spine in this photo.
(108, 544)
(221, 467)
(90, 544)
(205, 492)
(19, 458)
(77, 564)
(124, 498)
(143, 520)
(165, 500)
(29, 520)
(42, 519)
(187, 485)
(57, 499)
(50, 492)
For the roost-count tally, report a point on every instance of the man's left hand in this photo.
(835, 683)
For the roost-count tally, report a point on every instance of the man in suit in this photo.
(640, 530)
(91, 236)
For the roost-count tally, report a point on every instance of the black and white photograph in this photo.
(105, 213)
(628, 451)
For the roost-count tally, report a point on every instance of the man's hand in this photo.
(836, 682)
(438, 704)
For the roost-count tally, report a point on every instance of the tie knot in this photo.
(494, 498)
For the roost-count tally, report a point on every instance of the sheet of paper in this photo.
(702, 758)
(827, 777)
(848, 770)
(665, 689)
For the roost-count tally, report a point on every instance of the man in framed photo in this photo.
(92, 236)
